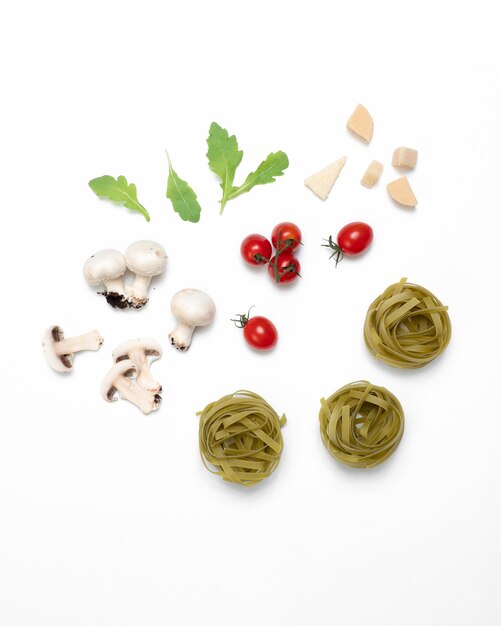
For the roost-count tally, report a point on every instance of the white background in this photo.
(108, 517)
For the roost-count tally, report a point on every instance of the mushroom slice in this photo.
(404, 157)
(322, 182)
(138, 351)
(107, 267)
(146, 259)
(361, 123)
(400, 190)
(191, 308)
(59, 351)
(372, 174)
(118, 380)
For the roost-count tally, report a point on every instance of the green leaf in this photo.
(183, 198)
(274, 165)
(224, 157)
(119, 191)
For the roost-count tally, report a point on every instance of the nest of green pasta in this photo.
(407, 326)
(240, 438)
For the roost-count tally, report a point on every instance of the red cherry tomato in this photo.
(255, 249)
(290, 236)
(260, 333)
(354, 238)
(288, 268)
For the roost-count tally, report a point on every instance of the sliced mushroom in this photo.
(361, 123)
(322, 182)
(59, 351)
(191, 308)
(372, 174)
(107, 267)
(118, 380)
(404, 157)
(146, 259)
(138, 351)
(400, 190)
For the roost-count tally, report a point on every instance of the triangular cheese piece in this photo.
(400, 190)
(361, 123)
(322, 182)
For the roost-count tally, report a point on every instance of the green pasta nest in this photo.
(240, 438)
(361, 424)
(407, 326)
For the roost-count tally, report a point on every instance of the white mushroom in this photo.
(191, 308)
(146, 259)
(59, 351)
(107, 267)
(138, 351)
(118, 379)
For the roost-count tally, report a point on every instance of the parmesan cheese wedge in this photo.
(400, 190)
(404, 157)
(361, 123)
(372, 174)
(322, 182)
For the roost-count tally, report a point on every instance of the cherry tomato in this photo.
(255, 249)
(354, 238)
(290, 236)
(288, 268)
(260, 333)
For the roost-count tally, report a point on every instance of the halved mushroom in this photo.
(191, 308)
(322, 182)
(138, 351)
(401, 191)
(107, 267)
(361, 123)
(59, 351)
(146, 259)
(118, 379)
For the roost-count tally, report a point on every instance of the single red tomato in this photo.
(255, 249)
(289, 234)
(260, 333)
(287, 268)
(352, 239)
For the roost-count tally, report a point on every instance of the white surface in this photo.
(108, 516)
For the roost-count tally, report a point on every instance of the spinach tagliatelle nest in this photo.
(240, 438)
(407, 326)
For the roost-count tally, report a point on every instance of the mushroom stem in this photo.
(180, 337)
(115, 285)
(89, 341)
(138, 292)
(144, 378)
(131, 391)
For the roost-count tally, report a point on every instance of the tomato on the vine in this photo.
(352, 239)
(259, 332)
(285, 268)
(255, 249)
(289, 234)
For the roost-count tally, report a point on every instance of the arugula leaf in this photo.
(274, 165)
(224, 158)
(119, 191)
(183, 198)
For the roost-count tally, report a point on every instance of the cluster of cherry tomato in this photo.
(283, 266)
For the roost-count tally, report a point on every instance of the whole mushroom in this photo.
(191, 308)
(146, 259)
(118, 379)
(138, 351)
(107, 267)
(59, 351)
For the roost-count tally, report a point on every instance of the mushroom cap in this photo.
(193, 307)
(148, 345)
(122, 368)
(146, 258)
(59, 363)
(104, 265)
